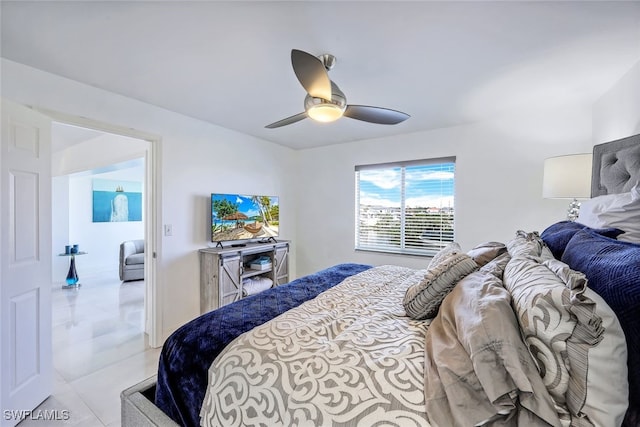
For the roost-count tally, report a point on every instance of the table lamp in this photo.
(568, 177)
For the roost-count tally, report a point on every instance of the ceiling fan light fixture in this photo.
(325, 102)
(325, 113)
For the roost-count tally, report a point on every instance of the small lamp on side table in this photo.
(568, 177)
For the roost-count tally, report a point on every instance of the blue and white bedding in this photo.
(345, 352)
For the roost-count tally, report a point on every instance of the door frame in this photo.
(153, 213)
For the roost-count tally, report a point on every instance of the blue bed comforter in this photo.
(189, 351)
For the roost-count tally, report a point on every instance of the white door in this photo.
(26, 366)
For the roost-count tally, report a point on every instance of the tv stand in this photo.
(223, 269)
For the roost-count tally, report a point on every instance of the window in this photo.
(405, 207)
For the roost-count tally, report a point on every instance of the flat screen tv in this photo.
(244, 217)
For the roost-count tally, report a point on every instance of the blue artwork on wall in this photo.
(117, 201)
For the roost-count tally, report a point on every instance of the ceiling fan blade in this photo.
(312, 74)
(382, 116)
(287, 121)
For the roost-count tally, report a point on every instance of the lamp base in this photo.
(574, 210)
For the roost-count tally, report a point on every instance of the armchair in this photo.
(132, 260)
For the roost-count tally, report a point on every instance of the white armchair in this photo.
(132, 260)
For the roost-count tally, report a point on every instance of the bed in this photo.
(543, 329)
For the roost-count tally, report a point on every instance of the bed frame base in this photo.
(138, 409)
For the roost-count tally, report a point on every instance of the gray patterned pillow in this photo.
(525, 244)
(422, 300)
(559, 325)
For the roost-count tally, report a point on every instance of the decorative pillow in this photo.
(422, 300)
(486, 252)
(613, 270)
(607, 383)
(607, 378)
(559, 324)
(557, 235)
(614, 210)
(451, 248)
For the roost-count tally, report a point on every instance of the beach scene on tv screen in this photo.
(240, 217)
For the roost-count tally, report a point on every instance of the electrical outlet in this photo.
(168, 230)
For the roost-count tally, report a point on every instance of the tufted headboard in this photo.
(616, 166)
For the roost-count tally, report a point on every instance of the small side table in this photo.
(72, 275)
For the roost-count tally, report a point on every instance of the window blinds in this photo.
(405, 207)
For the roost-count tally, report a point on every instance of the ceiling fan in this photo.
(325, 102)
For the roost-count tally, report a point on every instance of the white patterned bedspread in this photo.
(348, 357)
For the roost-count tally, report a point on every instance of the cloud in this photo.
(418, 179)
(422, 175)
(385, 178)
(371, 199)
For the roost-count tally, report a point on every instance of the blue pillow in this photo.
(557, 235)
(613, 270)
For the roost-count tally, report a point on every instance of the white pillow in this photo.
(607, 396)
(614, 210)
(607, 381)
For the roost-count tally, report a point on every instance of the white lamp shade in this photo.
(567, 177)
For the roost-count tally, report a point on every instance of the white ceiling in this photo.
(228, 63)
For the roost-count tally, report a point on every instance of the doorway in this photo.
(84, 150)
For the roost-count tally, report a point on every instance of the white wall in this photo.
(60, 227)
(617, 113)
(499, 171)
(197, 158)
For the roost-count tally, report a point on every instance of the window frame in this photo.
(403, 165)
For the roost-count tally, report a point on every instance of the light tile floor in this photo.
(99, 349)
